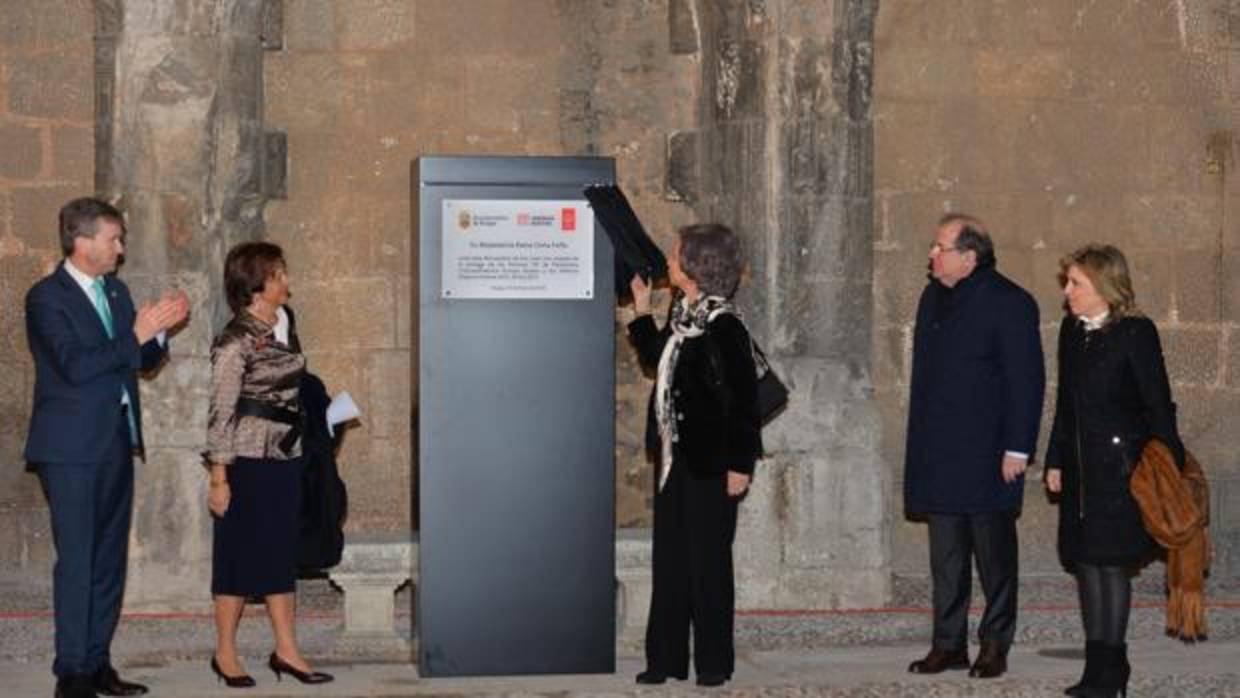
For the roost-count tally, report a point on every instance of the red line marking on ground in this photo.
(143, 615)
(758, 612)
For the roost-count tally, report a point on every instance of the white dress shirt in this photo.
(87, 282)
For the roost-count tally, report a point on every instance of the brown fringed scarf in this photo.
(1175, 507)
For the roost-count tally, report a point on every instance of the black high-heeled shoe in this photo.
(279, 666)
(243, 681)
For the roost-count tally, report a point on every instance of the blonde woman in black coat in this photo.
(703, 434)
(1113, 397)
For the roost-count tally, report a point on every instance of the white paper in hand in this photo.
(341, 410)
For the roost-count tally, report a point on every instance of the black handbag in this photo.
(772, 393)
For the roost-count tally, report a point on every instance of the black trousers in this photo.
(956, 540)
(694, 524)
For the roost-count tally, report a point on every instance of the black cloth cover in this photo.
(636, 253)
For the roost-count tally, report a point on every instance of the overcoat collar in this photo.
(976, 278)
(949, 300)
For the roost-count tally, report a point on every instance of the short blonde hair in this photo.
(1107, 269)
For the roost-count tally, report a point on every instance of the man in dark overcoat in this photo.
(974, 408)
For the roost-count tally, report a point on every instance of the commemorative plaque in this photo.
(513, 348)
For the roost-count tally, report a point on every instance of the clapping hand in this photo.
(177, 303)
(159, 316)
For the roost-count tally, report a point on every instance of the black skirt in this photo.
(255, 544)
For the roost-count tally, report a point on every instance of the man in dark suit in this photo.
(974, 408)
(88, 343)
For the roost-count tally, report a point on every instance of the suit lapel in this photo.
(82, 306)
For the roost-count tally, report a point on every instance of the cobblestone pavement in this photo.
(1161, 668)
(860, 653)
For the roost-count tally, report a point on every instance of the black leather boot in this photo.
(1093, 651)
(1125, 669)
(1113, 673)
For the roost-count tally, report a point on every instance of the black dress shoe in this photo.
(279, 666)
(651, 678)
(712, 679)
(239, 681)
(939, 660)
(75, 686)
(991, 661)
(108, 683)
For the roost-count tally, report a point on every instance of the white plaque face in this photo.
(520, 249)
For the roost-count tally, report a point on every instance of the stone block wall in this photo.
(46, 158)
(752, 113)
(180, 145)
(783, 152)
(364, 88)
(756, 114)
(1059, 123)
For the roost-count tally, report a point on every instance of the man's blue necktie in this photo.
(105, 314)
(101, 306)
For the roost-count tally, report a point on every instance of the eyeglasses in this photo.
(938, 248)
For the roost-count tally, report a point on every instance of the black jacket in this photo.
(1113, 396)
(714, 395)
(976, 392)
(324, 500)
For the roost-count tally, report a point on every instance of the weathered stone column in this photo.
(179, 144)
(784, 152)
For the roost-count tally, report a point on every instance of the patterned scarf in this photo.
(688, 320)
